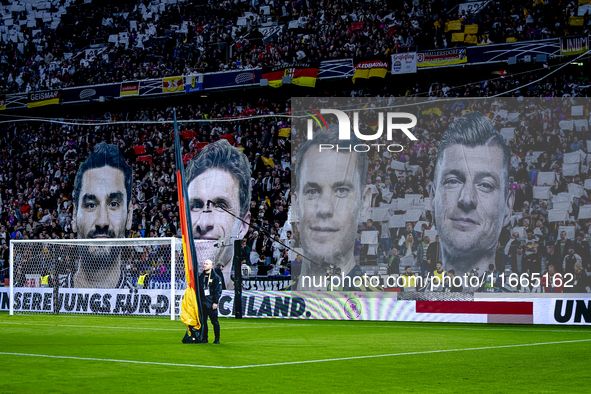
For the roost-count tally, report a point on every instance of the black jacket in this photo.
(582, 281)
(221, 275)
(215, 288)
(393, 264)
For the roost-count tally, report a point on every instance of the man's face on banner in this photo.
(102, 210)
(471, 202)
(220, 187)
(329, 201)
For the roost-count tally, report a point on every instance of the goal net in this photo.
(135, 276)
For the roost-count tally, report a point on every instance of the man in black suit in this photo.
(211, 291)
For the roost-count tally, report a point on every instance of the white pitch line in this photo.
(112, 360)
(292, 362)
(407, 354)
(263, 325)
(180, 327)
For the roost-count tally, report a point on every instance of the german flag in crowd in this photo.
(191, 313)
(304, 74)
(129, 89)
(375, 66)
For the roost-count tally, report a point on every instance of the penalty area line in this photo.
(292, 362)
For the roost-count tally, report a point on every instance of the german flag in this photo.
(129, 89)
(191, 313)
(373, 124)
(434, 109)
(273, 75)
(303, 74)
(371, 67)
(2, 103)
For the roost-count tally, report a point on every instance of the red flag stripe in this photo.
(476, 307)
(306, 72)
(274, 75)
(184, 230)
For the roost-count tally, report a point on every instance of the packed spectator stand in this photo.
(76, 43)
(40, 161)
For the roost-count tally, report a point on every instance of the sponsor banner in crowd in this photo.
(372, 67)
(404, 63)
(567, 310)
(494, 53)
(172, 84)
(303, 74)
(193, 83)
(130, 89)
(573, 45)
(40, 99)
(441, 57)
(227, 79)
(87, 93)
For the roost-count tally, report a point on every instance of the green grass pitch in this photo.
(48, 353)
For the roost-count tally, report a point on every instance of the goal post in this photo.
(172, 275)
(106, 276)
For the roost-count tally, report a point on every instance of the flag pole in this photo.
(191, 262)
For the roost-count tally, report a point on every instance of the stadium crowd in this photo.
(543, 142)
(109, 41)
(39, 162)
(106, 42)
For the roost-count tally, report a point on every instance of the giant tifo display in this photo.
(471, 210)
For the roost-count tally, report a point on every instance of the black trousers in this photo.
(213, 315)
